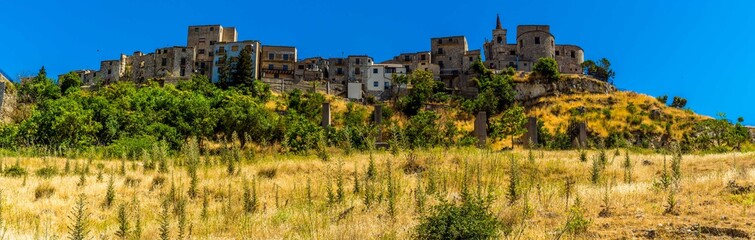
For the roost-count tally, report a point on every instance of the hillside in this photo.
(617, 111)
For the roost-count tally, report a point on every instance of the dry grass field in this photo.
(304, 197)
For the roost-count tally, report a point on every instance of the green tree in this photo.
(600, 70)
(68, 81)
(663, 99)
(424, 86)
(512, 124)
(60, 123)
(38, 89)
(679, 102)
(546, 68)
(242, 75)
(496, 91)
(225, 79)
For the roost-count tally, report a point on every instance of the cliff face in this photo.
(530, 91)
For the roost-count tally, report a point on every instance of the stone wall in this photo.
(529, 92)
(7, 100)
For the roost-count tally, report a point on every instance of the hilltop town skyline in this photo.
(603, 30)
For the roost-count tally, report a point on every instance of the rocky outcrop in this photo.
(528, 92)
(7, 100)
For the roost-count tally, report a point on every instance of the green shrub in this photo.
(15, 171)
(470, 220)
(47, 172)
(131, 147)
(546, 68)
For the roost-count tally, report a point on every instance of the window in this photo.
(471, 59)
(340, 61)
(375, 84)
(212, 29)
(285, 57)
(271, 66)
(537, 40)
(202, 40)
(183, 71)
(109, 71)
(558, 53)
(201, 51)
(357, 61)
(276, 76)
(407, 58)
(440, 41)
(164, 62)
(212, 43)
(183, 49)
(440, 63)
(183, 61)
(573, 55)
(521, 43)
(271, 56)
(196, 29)
(285, 67)
(234, 48)
(356, 72)
(440, 50)
(201, 65)
(301, 67)
(512, 52)
(339, 71)
(423, 57)
(375, 70)
(500, 40)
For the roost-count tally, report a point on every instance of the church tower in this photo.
(499, 33)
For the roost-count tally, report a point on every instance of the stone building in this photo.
(311, 69)
(278, 62)
(203, 39)
(338, 69)
(142, 67)
(415, 61)
(357, 66)
(86, 76)
(453, 57)
(113, 70)
(174, 63)
(532, 43)
(230, 51)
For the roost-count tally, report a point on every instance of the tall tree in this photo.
(224, 73)
(39, 89)
(511, 124)
(244, 69)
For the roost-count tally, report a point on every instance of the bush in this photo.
(131, 147)
(15, 171)
(47, 172)
(546, 68)
(422, 130)
(43, 190)
(470, 220)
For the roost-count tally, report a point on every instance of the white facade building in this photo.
(380, 78)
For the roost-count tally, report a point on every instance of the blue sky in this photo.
(700, 50)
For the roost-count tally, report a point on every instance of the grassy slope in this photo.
(556, 111)
(636, 207)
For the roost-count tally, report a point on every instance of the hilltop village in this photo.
(210, 47)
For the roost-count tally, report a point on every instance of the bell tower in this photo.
(499, 33)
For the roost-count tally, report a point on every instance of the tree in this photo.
(242, 76)
(679, 102)
(225, 79)
(600, 70)
(424, 86)
(496, 91)
(739, 134)
(39, 89)
(546, 68)
(663, 99)
(68, 81)
(512, 123)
